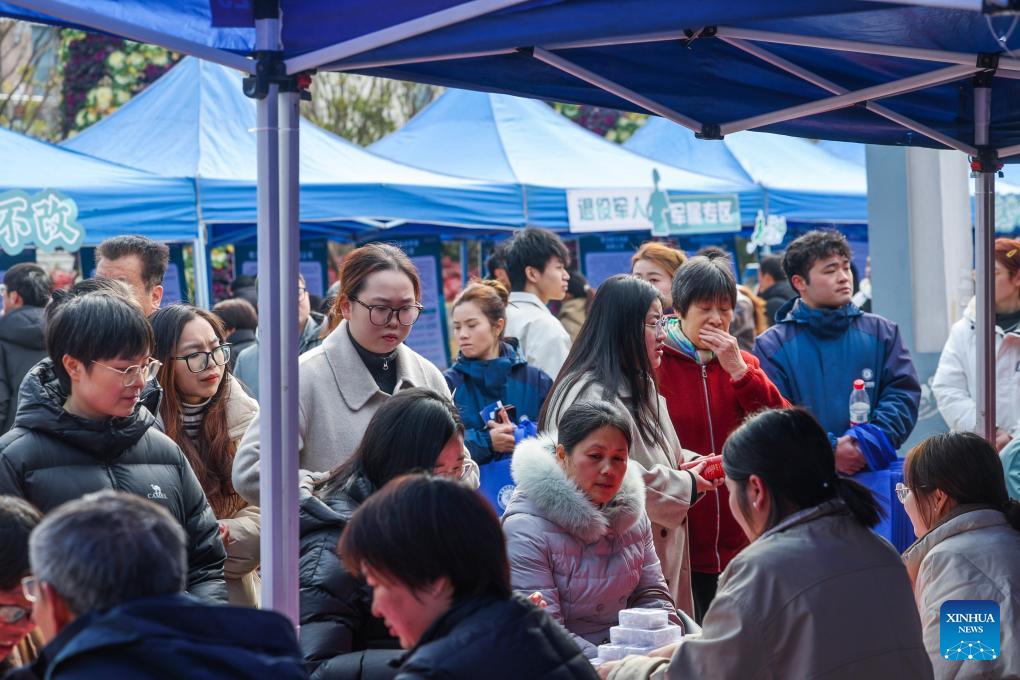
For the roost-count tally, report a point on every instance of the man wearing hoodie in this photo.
(822, 343)
(107, 592)
(26, 291)
(773, 286)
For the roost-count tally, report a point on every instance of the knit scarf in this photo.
(676, 339)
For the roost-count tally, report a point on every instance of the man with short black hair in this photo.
(139, 262)
(773, 286)
(107, 588)
(536, 262)
(822, 343)
(26, 291)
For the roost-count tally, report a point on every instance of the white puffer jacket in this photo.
(955, 381)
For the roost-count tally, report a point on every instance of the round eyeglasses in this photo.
(199, 361)
(381, 315)
(131, 374)
(12, 613)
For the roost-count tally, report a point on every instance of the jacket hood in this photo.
(544, 489)
(491, 373)
(24, 327)
(967, 518)
(237, 641)
(41, 408)
(316, 513)
(825, 323)
(780, 289)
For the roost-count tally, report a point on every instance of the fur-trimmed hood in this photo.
(544, 490)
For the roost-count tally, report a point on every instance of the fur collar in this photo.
(544, 489)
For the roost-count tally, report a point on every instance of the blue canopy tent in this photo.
(807, 68)
(799, 181)
(110, 199)
(523, 142)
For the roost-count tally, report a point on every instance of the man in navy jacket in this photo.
(822, 342)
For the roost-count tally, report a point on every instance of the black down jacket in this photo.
(339, 636)
(52, 456)
(21, 346)
(496, 639)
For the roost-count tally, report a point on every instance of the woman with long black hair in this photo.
(614, 359)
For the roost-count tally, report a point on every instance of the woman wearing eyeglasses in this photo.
(968, 547)
(345, 380)
(81, 428)
(205, 410)
(19, 643)
(614, 359)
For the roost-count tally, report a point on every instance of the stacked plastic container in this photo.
(640, 632)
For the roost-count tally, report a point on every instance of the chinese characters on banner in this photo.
(47, 220)
(596, 210)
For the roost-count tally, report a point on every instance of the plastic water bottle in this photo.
(860, 404)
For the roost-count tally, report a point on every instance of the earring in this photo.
(755, 505)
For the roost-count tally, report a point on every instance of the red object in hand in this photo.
(713, 468)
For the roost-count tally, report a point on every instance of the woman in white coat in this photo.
(955, 381)
(816, 594)
(968, 546)
(614, 359)
(344, 381)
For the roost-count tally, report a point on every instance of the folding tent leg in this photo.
(984, 251)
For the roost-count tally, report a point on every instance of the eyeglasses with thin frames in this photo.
(902, 491)
(381, 315)
(659, 324)
(131, 374)
(30, 588)
(199, 361)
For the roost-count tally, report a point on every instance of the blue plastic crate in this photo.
(895, 526)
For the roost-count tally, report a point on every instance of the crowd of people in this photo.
(676, 443)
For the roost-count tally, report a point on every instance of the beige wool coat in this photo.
(243, 556)
(337, 399)
(669, 492)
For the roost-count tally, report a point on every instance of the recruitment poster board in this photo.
(429, 336)
(8, 261)
(175, 286)
(313, 264)
(604, 255)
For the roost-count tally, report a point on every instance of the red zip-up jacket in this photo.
(705, 406)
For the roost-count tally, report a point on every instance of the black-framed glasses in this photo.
(381, 315)
(12, 613)
(199, 361)
(131, 374)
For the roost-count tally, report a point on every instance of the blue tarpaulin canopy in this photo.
(195, 122)
(800, 181)
(111, 199)
(524, 142)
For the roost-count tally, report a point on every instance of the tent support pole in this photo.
(815, 79)
(200, 261)
(985, 255)
(1009, 151)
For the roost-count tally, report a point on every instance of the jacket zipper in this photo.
(711, 439)
(113, 482)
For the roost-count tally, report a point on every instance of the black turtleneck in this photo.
(383, 367)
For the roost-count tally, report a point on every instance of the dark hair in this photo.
(816, 245)
(96, 327)
(97, 284)
(17, 519)
(496, 261)
(30, 282)
(532, 247)
(791, 452)
(242, 281)
(610, 352)
(108, 548)
(489, 296)
(362, 262)
(237, 313)
(965, 467)
(406, 434)
(212, 455)
(420, 528)
(773, 266)
(153, 255)
(577, 286)
(704, 278)
(584, 417)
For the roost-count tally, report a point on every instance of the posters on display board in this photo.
(604, 255)
(175, 285)
(429, 336)
(313, 264)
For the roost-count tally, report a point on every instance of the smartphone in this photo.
(511, 412)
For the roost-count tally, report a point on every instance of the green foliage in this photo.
(616, 126)
(29, 83)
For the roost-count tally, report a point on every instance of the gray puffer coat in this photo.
(587, 562)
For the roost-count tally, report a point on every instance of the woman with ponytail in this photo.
(816, 594)
(968, 545)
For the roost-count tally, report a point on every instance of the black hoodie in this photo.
(22, 345)
(53, 456)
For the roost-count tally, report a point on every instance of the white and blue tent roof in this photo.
(195, 122)
(524, 142)
(111, 199)
(800, 181)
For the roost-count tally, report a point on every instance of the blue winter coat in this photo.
(475, 384)
(814, 355)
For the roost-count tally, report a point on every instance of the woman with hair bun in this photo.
(490, 368)
(968, 545)
(817, 594)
